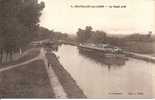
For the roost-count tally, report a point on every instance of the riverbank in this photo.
(146, 58)
(27, 81)
(27, 55)
(71, 88)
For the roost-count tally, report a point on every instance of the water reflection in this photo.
(95, 79)
(99, 57)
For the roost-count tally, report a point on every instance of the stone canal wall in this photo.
(140, 56)
(70, 87)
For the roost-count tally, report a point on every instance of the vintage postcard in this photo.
(64, 49)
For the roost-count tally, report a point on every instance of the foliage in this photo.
(88, 35)
(18, 23)
(84, 35)
(97, 37)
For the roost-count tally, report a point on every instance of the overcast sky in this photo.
(138, 16)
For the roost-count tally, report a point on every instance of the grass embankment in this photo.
(33, 52)
(27, 81)
(68, 83)
(140, 47)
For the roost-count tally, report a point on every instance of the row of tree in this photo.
(135, 42)
(18, 23)
(88, 35)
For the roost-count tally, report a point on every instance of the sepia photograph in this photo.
(77, 49)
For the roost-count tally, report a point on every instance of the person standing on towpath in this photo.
(50, 57)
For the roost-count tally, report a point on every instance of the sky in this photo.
(138, 16)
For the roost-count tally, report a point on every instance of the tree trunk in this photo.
(6, 56)
(20, 51)
(11, 53)
(1, 56)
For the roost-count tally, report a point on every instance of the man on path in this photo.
(50, 57)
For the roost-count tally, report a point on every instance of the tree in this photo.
(19, 21)
(88, 35)
(84, 35)
(98, 37)
(80, 35)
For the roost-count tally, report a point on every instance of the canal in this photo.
(98, 78)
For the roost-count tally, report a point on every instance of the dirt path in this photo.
(54, 81)
(18, 65)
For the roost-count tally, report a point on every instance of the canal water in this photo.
(98, 79)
